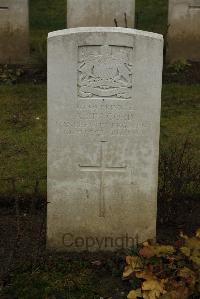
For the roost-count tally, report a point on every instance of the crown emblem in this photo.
(105, 74)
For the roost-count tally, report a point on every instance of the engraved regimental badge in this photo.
(105, 71)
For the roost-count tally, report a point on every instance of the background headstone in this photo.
(104, 98)
(14, 31)
(100, 13)
(184, 30)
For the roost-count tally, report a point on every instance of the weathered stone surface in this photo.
(184, 30)
(104, 96)
(94, 13)
(14, 31)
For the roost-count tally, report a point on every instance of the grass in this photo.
(22, 133)
(65, 277)
(180, 112)
(47, 15)
(179, 146)
(151, 15)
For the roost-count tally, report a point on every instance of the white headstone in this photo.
(14, 31)
(95, 13)
(104, 98)
(184, 30)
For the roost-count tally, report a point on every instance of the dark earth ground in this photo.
(23, 238)
(26, 225)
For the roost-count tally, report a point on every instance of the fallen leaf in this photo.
(127, 271)
(134, 264)
(163, 250)
(193, 243)
(176, 294)
(146, 244)
(134, 294)
(153, 289)
(189, 276)
(96, 263)
(145, 275)
(183, 236)
(185, 251)
(180, 293)
(147, 251)
(195, 257)
(156, 250)
(198, 233)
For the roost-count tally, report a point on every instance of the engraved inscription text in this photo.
(102, 169)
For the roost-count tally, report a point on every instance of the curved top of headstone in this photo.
(105, 30)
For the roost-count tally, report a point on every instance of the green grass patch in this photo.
(151, 15)
(64, 277)
(22, 133)
(180, 113)
(47, 15)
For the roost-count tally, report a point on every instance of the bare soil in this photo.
(23, 236)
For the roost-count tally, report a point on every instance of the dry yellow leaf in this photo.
(185, 251)
(145, 275)
(127, 271)
(152, 285)
(192, 249)
(180, 293)
(151, 294)
(147, 251)
(188, 274)
(198, 233)
(195, 259)
(183, 236)
(153, 289)
(168, 295)
(163, 250)
(146, 244)
(134, 264)
(135, 294)
(193, 243)
(129, 259)
(185, 272)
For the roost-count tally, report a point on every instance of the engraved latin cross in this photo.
(3, 8)
(102, 169)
